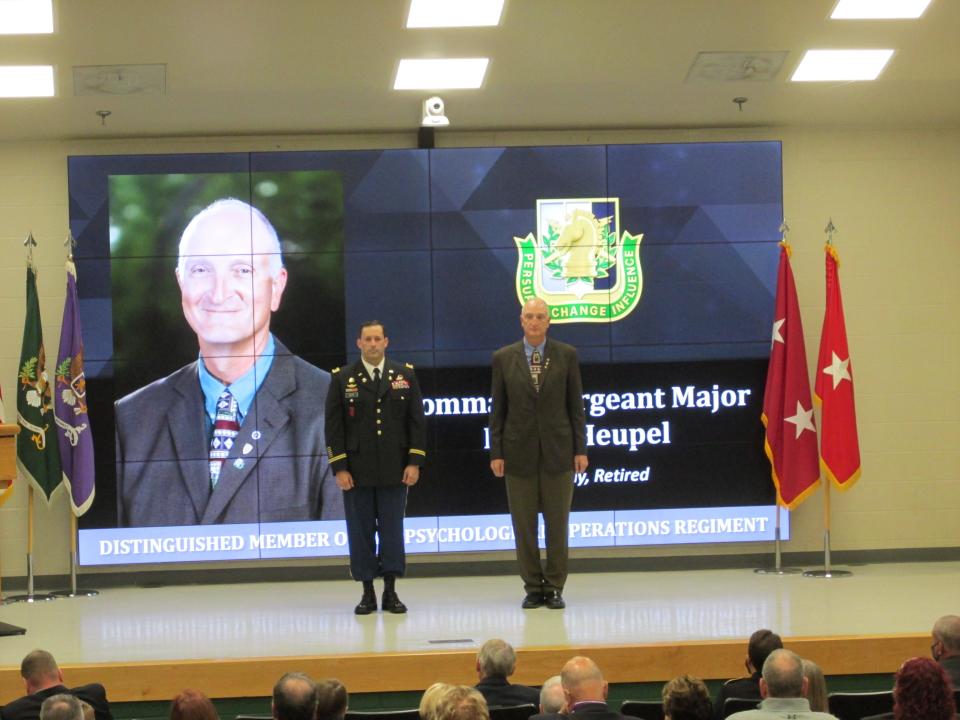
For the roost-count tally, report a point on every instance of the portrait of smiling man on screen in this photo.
(236, 436)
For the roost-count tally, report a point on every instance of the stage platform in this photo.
(234, 641)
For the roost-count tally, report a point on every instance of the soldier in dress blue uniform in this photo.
(376, 433)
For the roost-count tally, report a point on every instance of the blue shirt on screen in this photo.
(243, 388)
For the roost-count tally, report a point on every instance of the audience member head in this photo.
(496, 659)
(551, 696)
(582, 682)
(922, 691)
(816, 686)
(61, 707)
(783, 676)
(331, 699)
(946, 637)
(686, 698)
(428, 703)
(761, 644)
(40, 671)
(192, 705)
(88, 712)
(294, 697)
(442, 701)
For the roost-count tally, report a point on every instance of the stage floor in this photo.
(643, 625)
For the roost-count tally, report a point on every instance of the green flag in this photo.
(38, 457)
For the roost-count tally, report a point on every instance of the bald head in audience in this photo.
(945, 647)
(783, 676)
(551, 696)
(582, 682)
(294, 697)
(61, 707)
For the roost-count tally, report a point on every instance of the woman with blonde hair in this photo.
(816, 686)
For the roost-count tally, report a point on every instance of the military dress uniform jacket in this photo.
(375, 436)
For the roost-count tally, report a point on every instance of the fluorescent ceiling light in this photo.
(841, 65)
(26, 17)
(440, 73)
(454, 13)
(26, 81)
(879, 9)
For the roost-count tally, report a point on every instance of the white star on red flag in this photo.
(792, 452)
(803, 419)
(839, 444)
(777, 337)
(838, 369)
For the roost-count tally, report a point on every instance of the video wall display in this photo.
(658, 263)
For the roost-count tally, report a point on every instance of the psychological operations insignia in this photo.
(579, 263)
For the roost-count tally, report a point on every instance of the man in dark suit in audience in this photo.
(294, 698)
(42, 678)
(585, 691)
(946, 646)
(496, 661)
(761, 644)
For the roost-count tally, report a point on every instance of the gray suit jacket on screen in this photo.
(276, 471)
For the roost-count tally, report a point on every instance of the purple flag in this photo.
(70, 403)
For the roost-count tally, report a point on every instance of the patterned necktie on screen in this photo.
(225, 429)
(535, 368)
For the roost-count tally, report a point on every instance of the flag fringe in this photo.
(793, 504)
(28, 476)
(832, 252)
(81, 509)
(840, 485)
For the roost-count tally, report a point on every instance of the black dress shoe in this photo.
(553, 600)
(532, 600)
(391, 603)
(367, 604)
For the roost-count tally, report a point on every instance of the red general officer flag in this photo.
(839, 447)
(791, 441)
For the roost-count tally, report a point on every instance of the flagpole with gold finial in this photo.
(778, 568)
(30, 243)
(70, 244)
(827, 571)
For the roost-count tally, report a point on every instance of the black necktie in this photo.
(376, 380)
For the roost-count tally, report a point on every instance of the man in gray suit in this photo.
(236, 436)
(537, 441)
(783, 688)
